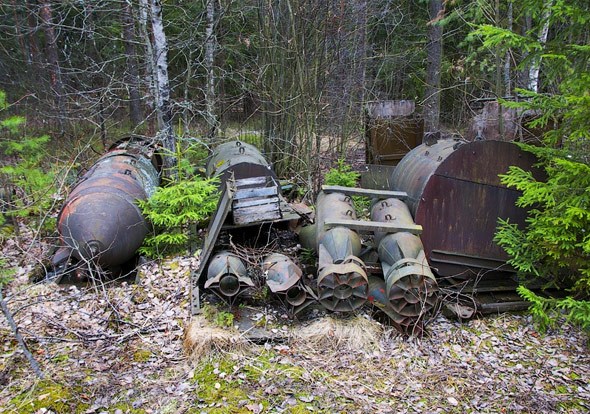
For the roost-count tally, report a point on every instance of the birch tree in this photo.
(163, 104)
(434, 49)
(210, 49)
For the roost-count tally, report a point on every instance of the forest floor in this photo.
(119, 349)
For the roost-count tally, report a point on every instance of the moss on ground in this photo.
(50, 395)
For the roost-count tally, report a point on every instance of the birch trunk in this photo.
(210, 48)
(507, 81)
(149, 54)
(163, 106)
(535, 68)
(434, 47)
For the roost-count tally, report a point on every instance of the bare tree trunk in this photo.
(434, 46)
(132, 73)
(149, 54)
(499, 68)
(533, 83)
(163, 106)
(32, 32)
(210, 49)
(186, 110)
(46, 15)
(19, 34)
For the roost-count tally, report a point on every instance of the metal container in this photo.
(284, 277)
(455, 193)
(100, 220)
(342, 280)
(238, 160)
(392, 129)
(227, 274)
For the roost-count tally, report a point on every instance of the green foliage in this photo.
(171, 209)
(26, 172)
(548, 311)
(344, 176)
(341, 175)
(556, 243)
(50, 396)
(219, 318)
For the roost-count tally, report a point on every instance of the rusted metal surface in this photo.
(283, 276)
(227, 274)
(342, 280)
(250, 200)
(100, 221)
(238, 160)
(392, 129)
(455, 193)
(513, 126)
(410, 286)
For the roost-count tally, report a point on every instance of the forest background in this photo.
(294, 78)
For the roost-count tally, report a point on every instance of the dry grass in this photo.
(201, 338)
(357, 333)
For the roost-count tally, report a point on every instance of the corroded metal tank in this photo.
(100, 220)
(240, 159)
(455, 193)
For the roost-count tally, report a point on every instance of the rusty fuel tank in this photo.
(455, 193)
(100, 221)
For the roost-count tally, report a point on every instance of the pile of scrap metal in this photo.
(249, 206)
(401, 285)
(251, 198)
(100, 225)
(455, 193)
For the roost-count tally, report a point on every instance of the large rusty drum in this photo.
(100, 220)
(455, 193)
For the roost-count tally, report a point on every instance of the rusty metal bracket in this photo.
(223, 208)
(366, 192)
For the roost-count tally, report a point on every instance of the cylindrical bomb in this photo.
(100, 220)
(284, 277)
(227, 273)
(410, 286)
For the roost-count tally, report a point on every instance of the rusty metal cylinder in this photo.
(410, 286)
(391, 210)
(227, 273)
(455, 194)
(283, 276)
(100, 220)
(239, 160)
(342, 280)
(331, 206)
